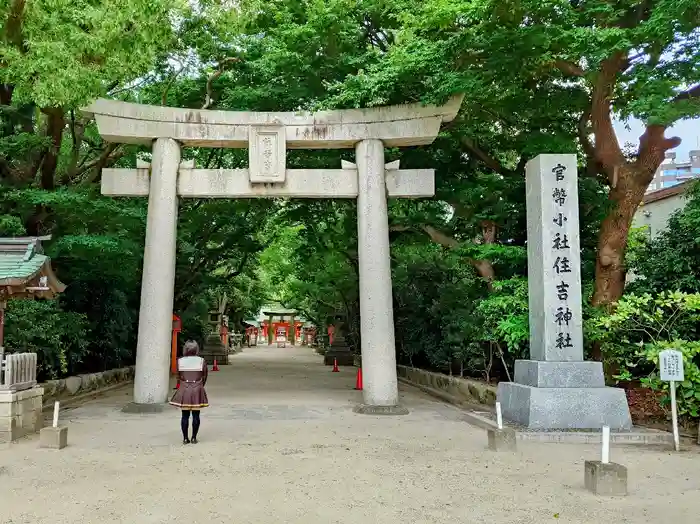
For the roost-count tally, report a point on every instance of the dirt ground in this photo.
(281, 444)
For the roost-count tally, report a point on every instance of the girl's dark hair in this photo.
(190, 349)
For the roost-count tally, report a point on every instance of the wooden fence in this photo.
(18, 371)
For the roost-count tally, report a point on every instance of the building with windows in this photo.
(672, 173)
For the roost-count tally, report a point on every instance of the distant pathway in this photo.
(281, 444)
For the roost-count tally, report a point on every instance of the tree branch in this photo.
(483, 267)
(13, 25)
(652, 148)
(173, 77)
(689, 94)
(607, 148)
(241, 265)
(487, 159)
(55, 123)
(439, 237)
(209, 100)
(592, 165)
(100, 162)
(569, 68)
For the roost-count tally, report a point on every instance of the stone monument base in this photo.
(214, 349)
(564, 408)
(344, 356)
(577, 374)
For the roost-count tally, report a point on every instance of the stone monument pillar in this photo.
(556, 388)
(381, 393)
(152, 378)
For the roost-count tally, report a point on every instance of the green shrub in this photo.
(59, 338)
(640, 327)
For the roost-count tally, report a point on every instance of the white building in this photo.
(657, 206)
(672, 173)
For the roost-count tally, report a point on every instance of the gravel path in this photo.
(281, 445)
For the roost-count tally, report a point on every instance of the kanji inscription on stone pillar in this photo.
(267, 154)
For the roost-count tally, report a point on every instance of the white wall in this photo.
(655, 214)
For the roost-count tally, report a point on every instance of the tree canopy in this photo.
(538, 77)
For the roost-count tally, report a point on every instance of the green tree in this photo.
(670, 261)
(57, 56)
(538, 75)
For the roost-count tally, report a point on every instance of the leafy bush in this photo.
(688, 391)
(671, 259)
(504, 316)
(435, 293)
(640, 327)
(58, 337)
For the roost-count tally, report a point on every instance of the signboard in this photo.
(671, 365)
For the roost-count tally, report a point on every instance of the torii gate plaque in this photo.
(268, 136)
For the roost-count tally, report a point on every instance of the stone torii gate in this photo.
(267, 137)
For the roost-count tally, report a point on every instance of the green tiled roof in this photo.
(23, 266)
(20, 260)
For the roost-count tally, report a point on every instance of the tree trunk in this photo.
(628, 182)
(55, 124)
(632, 182)
(610, 272)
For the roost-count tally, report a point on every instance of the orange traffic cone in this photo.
(335, 366)
(358, 381)
(215, 367)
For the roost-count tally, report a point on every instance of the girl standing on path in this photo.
(190, 395)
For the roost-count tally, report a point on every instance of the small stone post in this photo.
(603, 477)
(55, 436)
(501, 438)
(152, 379)
(381, 392)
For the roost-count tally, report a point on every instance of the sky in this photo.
(688, 130)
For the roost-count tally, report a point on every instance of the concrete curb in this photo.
(90, 395)
(450, 399)
(647, 438)
(631, 438)
(464, 389)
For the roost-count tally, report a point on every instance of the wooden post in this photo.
(177, 327)
(2, 328)
(173, 354)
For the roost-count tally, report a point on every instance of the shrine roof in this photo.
(278, 312)
(22, 263)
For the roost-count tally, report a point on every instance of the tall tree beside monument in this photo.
(577, 65)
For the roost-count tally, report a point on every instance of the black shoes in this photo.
(194, 440)
(187, 441)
